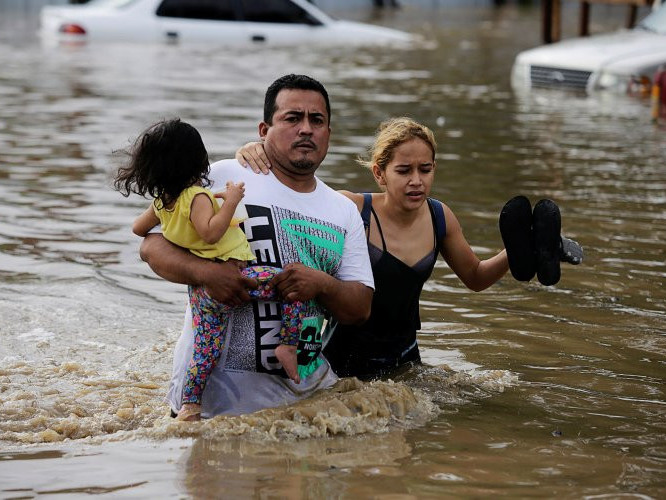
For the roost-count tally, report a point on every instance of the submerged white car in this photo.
(222, 22)
(623, 61)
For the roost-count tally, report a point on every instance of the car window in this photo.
(275, 11)
(656, 21)
(119, 4)
(214, 10)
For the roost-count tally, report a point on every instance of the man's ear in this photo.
(263, 129)
(378, 173)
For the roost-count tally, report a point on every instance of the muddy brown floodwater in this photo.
(527, 390)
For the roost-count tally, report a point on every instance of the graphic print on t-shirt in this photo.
(279, 236)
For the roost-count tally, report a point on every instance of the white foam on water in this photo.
(59, 401)
(75, 372)
(38, 333)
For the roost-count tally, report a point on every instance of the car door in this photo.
(278, 22)
(214, 21)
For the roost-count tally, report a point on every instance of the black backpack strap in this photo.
(367, 209)
(440, 221)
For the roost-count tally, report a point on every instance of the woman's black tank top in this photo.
(388, 338)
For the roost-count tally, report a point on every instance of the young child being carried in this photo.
(169, 162)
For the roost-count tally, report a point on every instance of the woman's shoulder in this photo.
(357, 198)
(435, 203)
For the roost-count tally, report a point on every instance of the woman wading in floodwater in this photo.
(406, 232)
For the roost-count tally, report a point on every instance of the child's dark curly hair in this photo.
(166, 158)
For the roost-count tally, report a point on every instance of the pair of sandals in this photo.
(533, 241)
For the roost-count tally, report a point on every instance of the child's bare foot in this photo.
(286, 355)
(189, 412)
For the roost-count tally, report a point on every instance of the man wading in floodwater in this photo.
(296, 222)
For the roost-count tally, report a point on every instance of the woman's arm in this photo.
(252, 155)
(145, 222)
(475, 274)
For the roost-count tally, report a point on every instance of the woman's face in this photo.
(408, 177)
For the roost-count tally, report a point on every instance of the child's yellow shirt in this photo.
(178, 229)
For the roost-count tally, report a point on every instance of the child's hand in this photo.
(234, 193)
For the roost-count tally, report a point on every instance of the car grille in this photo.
(543, 76)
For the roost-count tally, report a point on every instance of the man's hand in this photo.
(348, 301)
(299, 282)
(224, 283)
(222, 280)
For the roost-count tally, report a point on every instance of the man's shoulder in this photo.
(334, 202)
(341, 199)
(226, 170)
(327, 190)
(222, 166)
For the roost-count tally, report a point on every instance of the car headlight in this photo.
(612, 82)
(623, 84)
(520, 75)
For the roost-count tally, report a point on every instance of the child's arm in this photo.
(209, 225)
(145, 222)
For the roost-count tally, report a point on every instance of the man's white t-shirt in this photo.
(321, 229)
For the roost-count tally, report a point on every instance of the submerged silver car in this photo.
(623, 61)
(221, 22)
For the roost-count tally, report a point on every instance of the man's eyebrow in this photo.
(320, 115)
(302, 112)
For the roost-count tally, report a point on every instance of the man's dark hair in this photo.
(292, 82)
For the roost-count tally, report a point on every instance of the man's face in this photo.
(297, 141)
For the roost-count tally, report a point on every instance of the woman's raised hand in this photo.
(252, 155)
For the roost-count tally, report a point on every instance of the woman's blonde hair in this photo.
(391, 134)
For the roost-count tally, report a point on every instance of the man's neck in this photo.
(305, 183)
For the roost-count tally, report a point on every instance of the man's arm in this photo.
(348, 301)
(222, 280)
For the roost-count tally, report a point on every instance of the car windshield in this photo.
(113, 4)
(656, 21)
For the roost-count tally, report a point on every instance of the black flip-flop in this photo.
(515, 223)
(571, 251)
(547, 242)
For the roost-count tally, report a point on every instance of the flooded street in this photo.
(527, 391)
